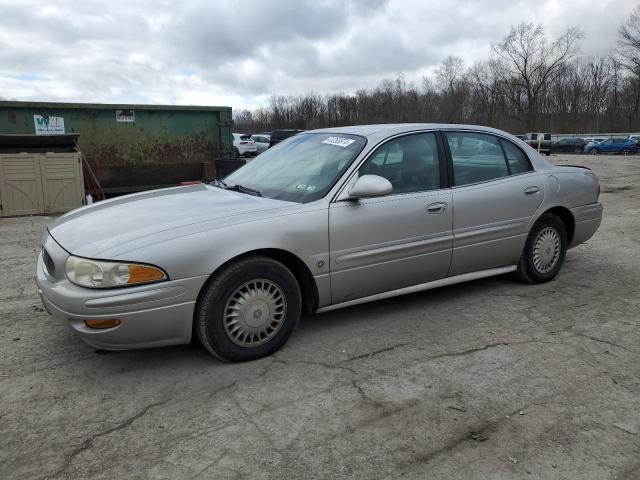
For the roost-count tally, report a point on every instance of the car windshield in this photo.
(302, 168)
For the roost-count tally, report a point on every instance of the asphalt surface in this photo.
(492, 379)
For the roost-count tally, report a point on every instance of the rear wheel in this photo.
(577, 150)
(236, 153)
(595, 151)
(248, 310)
(544, 251)
(626, 151)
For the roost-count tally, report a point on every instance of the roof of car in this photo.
(379, 132)
(395, 128)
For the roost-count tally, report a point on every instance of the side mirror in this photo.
(368, 186)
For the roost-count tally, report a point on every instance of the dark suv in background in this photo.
(568, 145)
(278, 135)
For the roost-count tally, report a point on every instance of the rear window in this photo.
(245, 137)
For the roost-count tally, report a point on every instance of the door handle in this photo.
(438, 207)
(531, 191)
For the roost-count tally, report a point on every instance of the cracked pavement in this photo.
(492, 379)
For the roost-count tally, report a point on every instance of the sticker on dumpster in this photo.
(338, 141)
(48, 125)
(127, 116)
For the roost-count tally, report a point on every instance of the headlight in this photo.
(99, 274)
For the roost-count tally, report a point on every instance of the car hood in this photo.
(109, 228)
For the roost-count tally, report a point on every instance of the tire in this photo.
(625, 151)
(577, 150)
(532, 270)
(548, 154)
(595, 151)
(236, 153)
(223, 306)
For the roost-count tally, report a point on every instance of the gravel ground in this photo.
(492, 379)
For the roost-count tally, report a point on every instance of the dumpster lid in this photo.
(38, 143)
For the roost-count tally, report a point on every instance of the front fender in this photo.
(301, 233)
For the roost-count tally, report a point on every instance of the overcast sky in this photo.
(238, 52)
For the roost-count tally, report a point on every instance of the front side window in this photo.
(302, 168)
(476, 157)
(411, 163)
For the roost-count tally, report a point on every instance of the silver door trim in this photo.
(443, 282)
(381, 254)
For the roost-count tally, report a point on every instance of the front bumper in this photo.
(248, 150)
(151, 315)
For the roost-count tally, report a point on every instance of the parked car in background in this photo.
(243, 145)
(541, 142)
(624, 146)
(278, 135)
(328, 219)
(568, 145)
(635, 137)
(262, 141)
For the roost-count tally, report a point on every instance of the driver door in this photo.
(398, 240)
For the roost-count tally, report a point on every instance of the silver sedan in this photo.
(324, 220)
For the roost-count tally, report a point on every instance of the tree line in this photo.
(529, 83)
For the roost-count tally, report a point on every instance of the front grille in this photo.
(48, 263)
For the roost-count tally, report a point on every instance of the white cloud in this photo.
(239, 52)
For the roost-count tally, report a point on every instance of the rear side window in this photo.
(517, 160)
(476, 157)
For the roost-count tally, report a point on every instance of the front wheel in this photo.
(577, 150)
(595, 151)
(248, 310)
(626, 151)
(544, 250)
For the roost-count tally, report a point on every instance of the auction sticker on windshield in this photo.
(338, 141)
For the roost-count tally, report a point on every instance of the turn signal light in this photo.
(144, 274)
(103, 323)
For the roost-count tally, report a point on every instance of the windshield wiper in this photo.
(218, 182)
(241, 188)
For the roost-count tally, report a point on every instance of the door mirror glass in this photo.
(368, 186)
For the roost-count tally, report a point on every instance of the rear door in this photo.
(495, 194)
(399, 240)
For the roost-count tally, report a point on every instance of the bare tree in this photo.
(451, 79)
(629, 42)
(486, 97)
(530, 62)
(528, 82)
